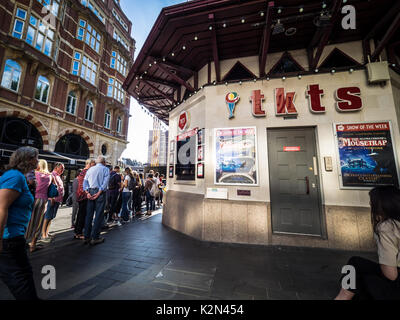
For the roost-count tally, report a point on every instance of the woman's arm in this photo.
(7, 197)
(389, 272)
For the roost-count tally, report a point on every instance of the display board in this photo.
(236, 156)
(366, 155)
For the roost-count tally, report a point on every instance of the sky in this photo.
(143, 14)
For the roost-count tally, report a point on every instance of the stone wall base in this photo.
(347, 228)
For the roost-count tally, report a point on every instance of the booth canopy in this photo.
(187, 36)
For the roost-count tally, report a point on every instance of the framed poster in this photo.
(171, 158)
(200, 170)
(200, 137)
(172, 146)
(171, 172)
(236, 156)
(200, 153)
(366, 156)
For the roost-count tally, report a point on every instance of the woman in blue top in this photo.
(16, 203)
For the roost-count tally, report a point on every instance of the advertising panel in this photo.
(236, 161)
(366, 155)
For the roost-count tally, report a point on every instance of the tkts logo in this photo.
(347, 99)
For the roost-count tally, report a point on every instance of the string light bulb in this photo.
(301, 9)
(210, 27)
(184, 48)
(279, 10)
(262, 13)
(323, 5)
(243, 20)
(299, 76)
(196, 38)
(224, 25)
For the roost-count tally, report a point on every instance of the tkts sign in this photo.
(348, 99)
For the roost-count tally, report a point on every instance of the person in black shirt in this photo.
(114, 186)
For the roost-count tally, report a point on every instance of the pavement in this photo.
(144, 260)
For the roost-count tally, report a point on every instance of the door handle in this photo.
(315, 166)
(308, 185)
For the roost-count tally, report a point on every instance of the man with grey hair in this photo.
(95, 185)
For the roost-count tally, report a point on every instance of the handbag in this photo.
(52, 192)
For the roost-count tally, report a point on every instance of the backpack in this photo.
(112, 184)
(132, 183)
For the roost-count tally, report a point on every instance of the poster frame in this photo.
(341, 187)
(256, 157)
(200, 165)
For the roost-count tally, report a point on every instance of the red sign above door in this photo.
(291, 149)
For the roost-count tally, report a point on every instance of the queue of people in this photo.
(30, 197)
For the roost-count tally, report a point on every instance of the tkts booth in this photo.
(280, 119)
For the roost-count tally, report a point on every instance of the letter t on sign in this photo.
(314, 94)
(256, 100)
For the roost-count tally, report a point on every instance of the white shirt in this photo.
(127, 178)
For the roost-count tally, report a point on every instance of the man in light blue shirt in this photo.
(95, 185)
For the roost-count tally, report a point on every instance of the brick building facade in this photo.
(62, 65)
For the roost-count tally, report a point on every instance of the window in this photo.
(107, 119)
(120, 39)
(88, 34)
(118, 63)
(94, 9)
(114, 90)
(89, 111)
(119, 19)
(71, 103)
(40, 36)
(84, 67)
(11, 75)
(42, 89)
(19, 23)
(52, 5)
(119, 125)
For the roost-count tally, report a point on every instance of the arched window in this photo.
(19, 132)
(11, 75)
(72, 144)
(89, 111)
(71, 102)
(42, 89)
(107, 119)
(119, 124)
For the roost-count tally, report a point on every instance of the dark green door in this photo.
(294, 181)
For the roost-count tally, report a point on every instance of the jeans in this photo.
(371, 284)
(15, 269)
(81, 217)
(112, 196)
(150, 203)
(125, 211)
(92, 206)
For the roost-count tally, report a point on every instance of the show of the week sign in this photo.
(348, 99)
(366, 155)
